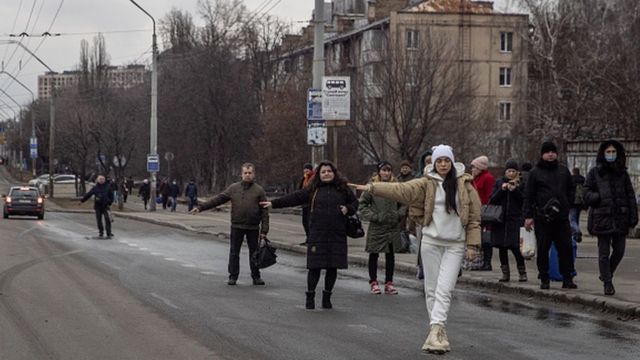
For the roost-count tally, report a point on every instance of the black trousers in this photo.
(389, 266)
(504, 256)
(100, 213)
(557, 232)
(330, 277)
(165, 200)
(606, 263)
(305, 221)
(237, 237)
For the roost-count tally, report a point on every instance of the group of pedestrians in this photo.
(442, 204)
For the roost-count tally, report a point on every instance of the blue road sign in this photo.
(153, 163)
(314, 105)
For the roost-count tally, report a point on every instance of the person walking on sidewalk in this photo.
(163, 190)
(548, 197)
(505, 236)
(383, 234)
(451, 219)
(330, 202)
(307, 175)
(191, 192)
(174, 192)
(613, 208)
(576, 205)
(483, 181)
(406, 171)
(103, 198)
(145, 192)
(248, 219)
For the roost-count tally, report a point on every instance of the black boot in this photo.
(544, 284)
(311, 300)
(569, 284)
(326, 299)
(522, 271)
(506, 273)
(608, 288)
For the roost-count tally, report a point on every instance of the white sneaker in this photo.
(442, 335)
(434, 343)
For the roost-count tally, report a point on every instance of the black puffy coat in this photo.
(548, 180)
(103, 196)
(327, 243)
(507, 234)
(610, 195)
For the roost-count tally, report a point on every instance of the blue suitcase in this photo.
(554, 266)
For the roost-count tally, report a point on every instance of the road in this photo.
(156, 292)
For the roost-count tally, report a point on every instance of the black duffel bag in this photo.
(354, 227)
(265, 256)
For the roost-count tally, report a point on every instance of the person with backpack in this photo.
(578, 204)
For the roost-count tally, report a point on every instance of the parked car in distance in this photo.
(40, 179)
(23, 200)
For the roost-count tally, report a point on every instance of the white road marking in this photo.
(144, 249)
(188, 265)
(170, 259)
(157, 254)
(133, 245)
(207, 273)
(165, 301)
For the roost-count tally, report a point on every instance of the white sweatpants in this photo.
(441, 266)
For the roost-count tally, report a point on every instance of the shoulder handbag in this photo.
(354, 225)
(265, 256)
(491, 214)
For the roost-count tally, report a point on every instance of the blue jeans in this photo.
(574, 220)
(174, 202)
(192, 202)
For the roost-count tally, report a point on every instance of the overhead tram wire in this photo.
(24, 51)
(26, 28)
(13, 28)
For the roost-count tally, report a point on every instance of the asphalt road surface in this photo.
(157, 293)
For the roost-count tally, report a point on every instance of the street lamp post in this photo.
(33, 116)
(153, 141)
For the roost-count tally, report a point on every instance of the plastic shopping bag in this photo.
(527, 243)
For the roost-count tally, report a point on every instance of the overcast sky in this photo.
(90, 17)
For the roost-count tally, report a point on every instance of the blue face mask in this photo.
(610, 157)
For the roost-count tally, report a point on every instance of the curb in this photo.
(625, 309)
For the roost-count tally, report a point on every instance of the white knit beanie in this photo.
(442, 151)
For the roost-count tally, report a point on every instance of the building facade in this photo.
(123, 77)
(487, 51)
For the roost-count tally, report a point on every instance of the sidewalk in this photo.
(286, 233)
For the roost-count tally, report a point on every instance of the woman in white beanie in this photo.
(450, 223)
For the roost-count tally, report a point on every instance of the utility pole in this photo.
(317, 152)
(153, 141)
(52, 128)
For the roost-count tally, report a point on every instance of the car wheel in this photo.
(5, 215)
(41, 217)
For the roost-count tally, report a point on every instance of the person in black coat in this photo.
(548, 197)
(145, 192)
(191, 192)
(103, 198)
(613, 208)
(174, 192)
(330, 203)
(508, 193)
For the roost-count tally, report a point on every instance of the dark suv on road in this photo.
(23, 200)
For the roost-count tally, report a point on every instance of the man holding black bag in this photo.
(548, 196)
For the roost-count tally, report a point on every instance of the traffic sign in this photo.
(336, 98)
(316, 133)
(169, 156)
(119, 161)
(33, 147)
(153, 163)
(314, 104)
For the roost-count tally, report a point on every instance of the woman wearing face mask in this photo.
(330, 202)
(613, 208)
(451, 220)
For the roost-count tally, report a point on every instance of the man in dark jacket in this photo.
(174, 192)
(406, 171)
(248, 219)
(163, 190)
(191, 192)
(548, 197)
(613, 208)
(145, 192)
(103, 198)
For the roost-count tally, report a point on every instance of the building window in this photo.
(506, 41)
(412, 39)
(505, 111)
(505, 76)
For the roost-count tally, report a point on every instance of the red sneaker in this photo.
(389, 289)
(375, 289)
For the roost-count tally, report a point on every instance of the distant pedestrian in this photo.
(174, 192)
(383, 234)
(248, 219)
(125, 192)
(613, 208)
(483, 181)
(103, 198)
(330, 201)
(406, 171)
(451, 220)
(163, 190)
(416, 212)
(191, 192)
(577, 205)
(145, 192)
(129, 183)
(509, 194)
(548, 197)
(307, 176)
